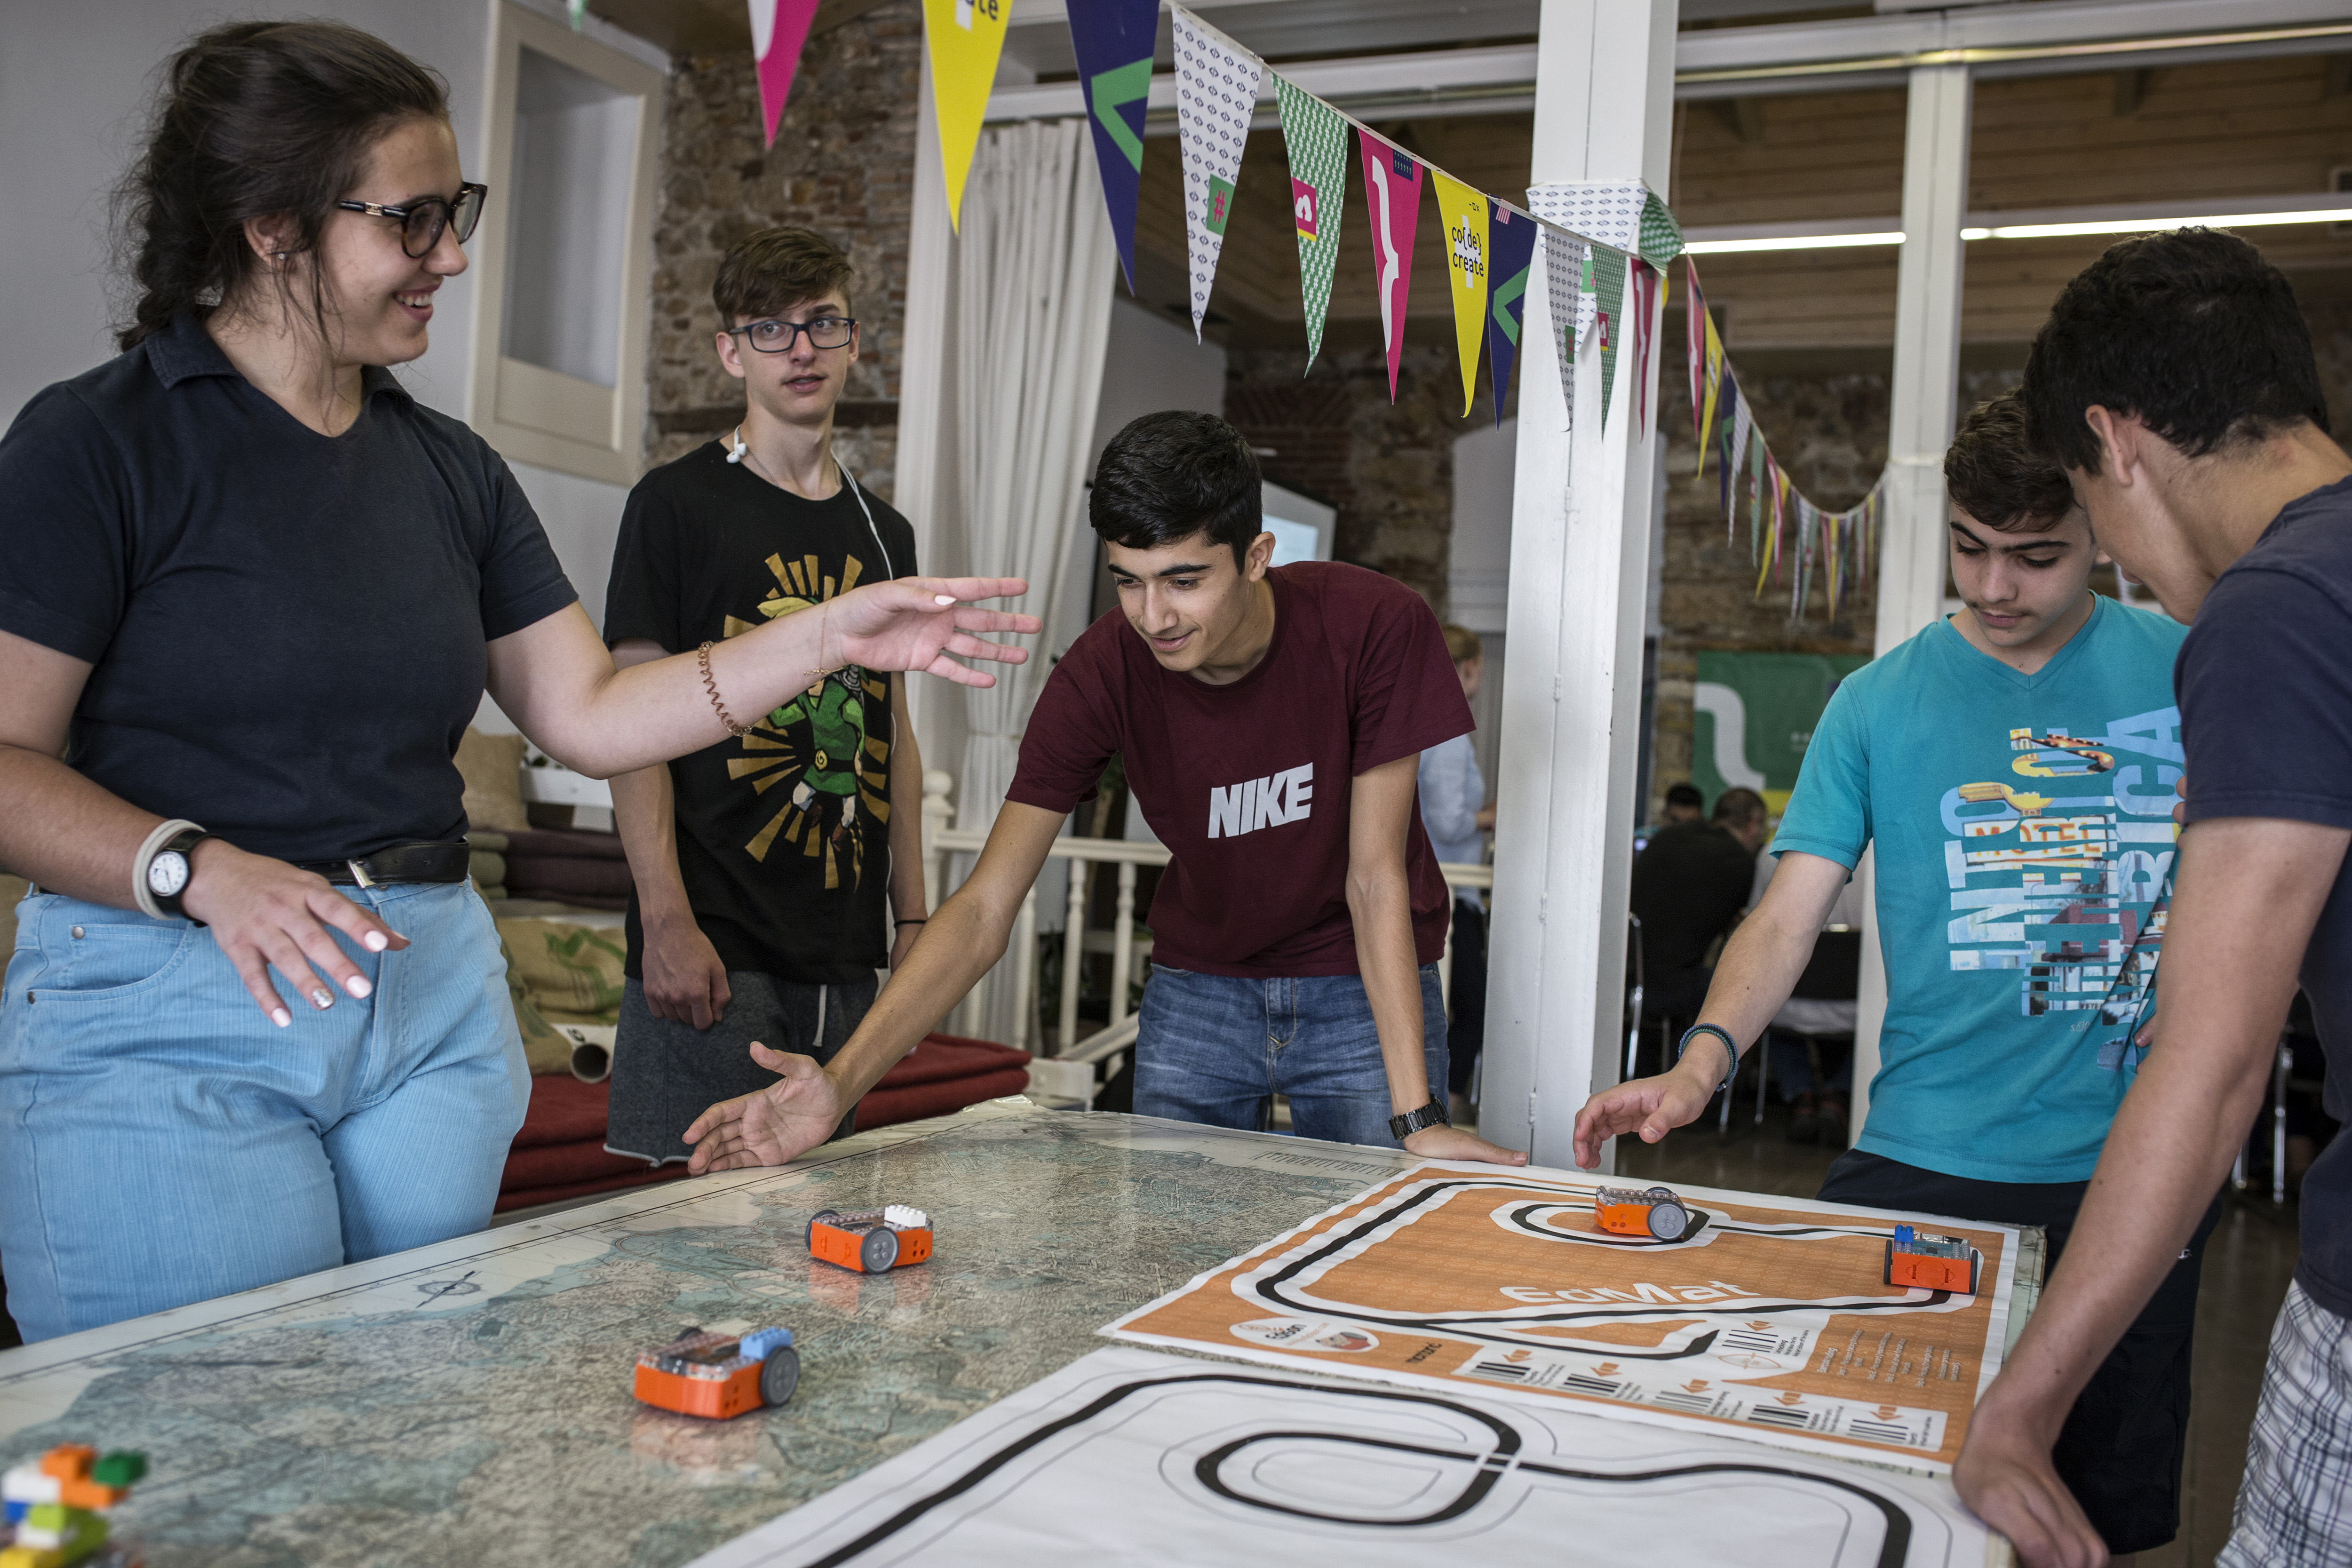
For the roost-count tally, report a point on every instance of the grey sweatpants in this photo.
(665, 1074)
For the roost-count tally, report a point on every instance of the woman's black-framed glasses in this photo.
(777, 337)
(421, 222)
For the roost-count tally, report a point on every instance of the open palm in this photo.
(771, 1125)
(926, 624)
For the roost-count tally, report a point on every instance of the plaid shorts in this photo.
(2296, 1507)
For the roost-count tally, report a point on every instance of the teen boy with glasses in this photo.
(2176, 383)
(1271, 720)
(2013, 766)
(777, 870)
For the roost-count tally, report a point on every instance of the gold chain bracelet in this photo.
(824, 615)
(718, 705)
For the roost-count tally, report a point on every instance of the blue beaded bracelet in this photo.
(1730, 1048)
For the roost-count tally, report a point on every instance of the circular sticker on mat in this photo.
(1305, 1334)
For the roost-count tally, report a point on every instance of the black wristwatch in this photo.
(1411, 1122)
(168, 870)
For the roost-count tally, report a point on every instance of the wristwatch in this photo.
(1411, 1122)
(167, 870)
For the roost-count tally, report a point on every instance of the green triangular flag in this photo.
(1661, 237)
(1316, 139)
(1608, 275)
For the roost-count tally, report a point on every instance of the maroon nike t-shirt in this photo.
(1248, 784)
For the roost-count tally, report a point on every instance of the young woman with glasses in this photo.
(256, 1023)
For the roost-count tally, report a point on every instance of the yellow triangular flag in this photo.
(964, 37)
(1463, 211)
(1714, 382)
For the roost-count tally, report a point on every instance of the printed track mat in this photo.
(1773, 1320)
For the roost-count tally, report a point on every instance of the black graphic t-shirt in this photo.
(783, 833)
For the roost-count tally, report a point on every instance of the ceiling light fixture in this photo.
(1750, 244)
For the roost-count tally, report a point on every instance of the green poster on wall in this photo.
(1753, 716)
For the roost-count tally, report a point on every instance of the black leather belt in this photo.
(426, 862)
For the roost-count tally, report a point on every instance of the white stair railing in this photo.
(1018, 967)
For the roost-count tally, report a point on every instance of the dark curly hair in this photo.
(1992, 472)
(254, 120)
(2193, 331)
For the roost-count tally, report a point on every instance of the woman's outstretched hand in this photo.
(917, 623)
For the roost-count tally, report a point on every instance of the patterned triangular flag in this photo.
(1113, 41)
(779, 29)
(964, 38)
(1392, 202)
(1757, 457)
(1649, 291)
(1608, 279)
(1661, 237)
(1564, 269)
(1463, 215)
(1711, 384)
(1735, 451)
(1511, 237)
(1316, 138)
(1216, 94)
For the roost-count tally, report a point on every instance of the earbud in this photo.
(737, 454)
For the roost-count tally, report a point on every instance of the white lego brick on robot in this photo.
(904, 1218)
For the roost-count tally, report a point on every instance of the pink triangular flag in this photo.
(1393, 196)
(779, 29)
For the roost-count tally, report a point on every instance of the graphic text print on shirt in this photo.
(1254, 804)
(2029, 855)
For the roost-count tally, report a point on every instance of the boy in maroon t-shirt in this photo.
(1271, 720)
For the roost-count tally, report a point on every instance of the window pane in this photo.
(575, 141)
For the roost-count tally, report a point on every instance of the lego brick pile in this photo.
(55, 1507)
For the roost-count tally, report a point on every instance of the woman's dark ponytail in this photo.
(254, 120)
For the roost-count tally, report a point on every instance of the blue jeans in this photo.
(161, 1141)
(1216, 1048)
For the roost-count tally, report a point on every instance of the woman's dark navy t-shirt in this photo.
(287, 631)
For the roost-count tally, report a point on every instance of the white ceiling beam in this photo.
(2150, 213)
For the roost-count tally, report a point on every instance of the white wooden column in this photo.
(1923, 410)
(1579, 571)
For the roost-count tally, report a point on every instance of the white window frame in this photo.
(531, 414)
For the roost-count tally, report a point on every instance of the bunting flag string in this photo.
(963, 39)
(1463, 212)
(1216, 95)
(1511, 236)
(1315, 136)
(1113, 41)
(778, 30)
(1392, 203)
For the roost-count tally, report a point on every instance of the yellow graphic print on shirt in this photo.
(818, 742)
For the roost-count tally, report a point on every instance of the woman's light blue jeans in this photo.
(1216, 1048)
(161, 1141)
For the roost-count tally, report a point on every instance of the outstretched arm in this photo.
(962, 942)
(556, 681)
(1759, 968)
(2250, 891)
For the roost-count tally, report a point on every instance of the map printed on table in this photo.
(1127, 1455)
(1772, 1320)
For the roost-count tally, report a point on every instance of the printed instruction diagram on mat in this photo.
(1773, 1323)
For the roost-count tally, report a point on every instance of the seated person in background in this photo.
(2039, 714)
(1271, 720)
(1809, 1025)
(777, 870)
(1455, 813)
(2176, 382)
(1684, 803)
(1689, 885)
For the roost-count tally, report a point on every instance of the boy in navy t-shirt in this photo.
(1271, 720)
(2014, 767)
(2175, 381)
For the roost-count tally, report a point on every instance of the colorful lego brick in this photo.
(25, 1485)
(122, 1469)
(53, 1535)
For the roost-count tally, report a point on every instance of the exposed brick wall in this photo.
(843, 164)
(1387, 468)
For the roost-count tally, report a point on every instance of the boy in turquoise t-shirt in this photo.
(2014, 767)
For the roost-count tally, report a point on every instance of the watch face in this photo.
(167, 874)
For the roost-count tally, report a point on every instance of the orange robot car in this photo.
(1918, 1261)
(874, 1242)
(719, 1375)
(1653, 1212)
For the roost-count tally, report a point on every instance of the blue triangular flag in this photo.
(1113, 40)
(1511, 245)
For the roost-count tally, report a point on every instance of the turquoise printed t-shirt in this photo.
(2024, 835)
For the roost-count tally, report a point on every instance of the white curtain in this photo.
(1034, 267)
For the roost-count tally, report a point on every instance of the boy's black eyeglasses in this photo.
(421, 222)
(777, 337)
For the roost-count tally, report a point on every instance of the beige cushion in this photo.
(492, 766)
(571, 972)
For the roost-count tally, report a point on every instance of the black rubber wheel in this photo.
(779, 1375)
(820, 1215)
(1668, 1222)
(879, 1251)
